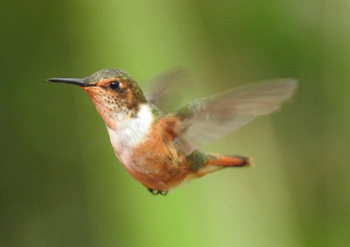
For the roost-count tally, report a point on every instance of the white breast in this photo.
(130, 132)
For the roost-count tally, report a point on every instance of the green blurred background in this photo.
(60, 183)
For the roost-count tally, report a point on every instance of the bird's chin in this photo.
(92, 91)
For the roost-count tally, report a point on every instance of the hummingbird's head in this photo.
(115, 94)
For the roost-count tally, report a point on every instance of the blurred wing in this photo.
(207, 119)
(164, 85)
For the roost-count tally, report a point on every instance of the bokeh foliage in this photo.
(60, 184)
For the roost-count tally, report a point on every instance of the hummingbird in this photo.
(160, 150)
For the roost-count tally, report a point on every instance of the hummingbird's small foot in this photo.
(158, 192)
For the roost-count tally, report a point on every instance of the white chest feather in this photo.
(130, 132)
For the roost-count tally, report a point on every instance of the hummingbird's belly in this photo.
(159, 178)
(158, 169)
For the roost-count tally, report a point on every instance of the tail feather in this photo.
(229, 160)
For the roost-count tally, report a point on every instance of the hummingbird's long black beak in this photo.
(74, 81)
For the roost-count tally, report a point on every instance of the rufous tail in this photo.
(229, 160)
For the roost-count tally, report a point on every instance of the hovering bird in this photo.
(160, 150)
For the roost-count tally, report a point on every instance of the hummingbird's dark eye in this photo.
(114, 85)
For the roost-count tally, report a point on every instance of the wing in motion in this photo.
(165, 87)
(207, 119)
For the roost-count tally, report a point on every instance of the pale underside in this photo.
(130, 132)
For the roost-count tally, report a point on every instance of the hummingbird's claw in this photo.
(163, 192)
(158, 192)
(154, 192)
